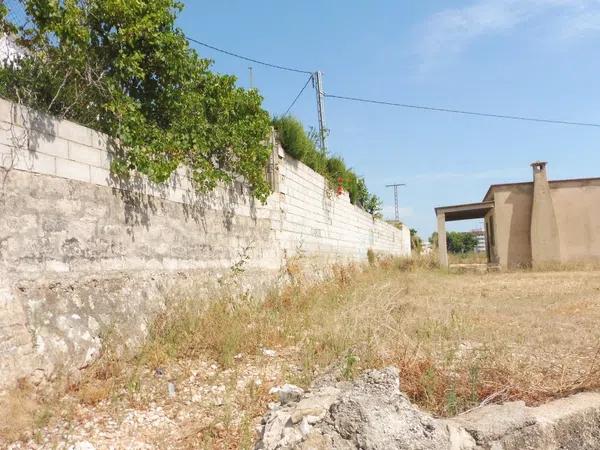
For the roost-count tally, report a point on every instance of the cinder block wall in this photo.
(83, 254)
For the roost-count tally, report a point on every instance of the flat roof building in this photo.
(533, 223)
(480, 236)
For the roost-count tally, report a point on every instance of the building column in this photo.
(545, 245)
(441, 225)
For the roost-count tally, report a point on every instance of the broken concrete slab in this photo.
(566, 424)
(371, 414)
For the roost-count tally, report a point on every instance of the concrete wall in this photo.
(511, 222)
(578, 219)
(83, 254)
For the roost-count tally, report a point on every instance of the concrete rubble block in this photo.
(566, 424)
(287, 393)
(369, 413)
(372, 413)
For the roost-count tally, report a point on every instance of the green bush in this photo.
(461, 242)
(293, 138)
(303, 146)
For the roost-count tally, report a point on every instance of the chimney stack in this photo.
(545, 246)
(539, 171)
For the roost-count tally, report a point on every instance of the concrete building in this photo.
(534, 223)
(480, 236)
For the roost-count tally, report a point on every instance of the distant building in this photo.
(480, 235)
(534, 223)
(9, 50)
(426, 248)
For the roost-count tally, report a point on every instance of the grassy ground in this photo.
(459, 340)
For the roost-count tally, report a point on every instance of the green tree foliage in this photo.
(5, 26)
(416, 243)
(433, 239)
(461, 242)
(303, 146)
(299, 144)
(124, 68)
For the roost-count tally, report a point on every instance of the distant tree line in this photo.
(456, 241)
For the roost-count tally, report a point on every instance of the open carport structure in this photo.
(459, 212)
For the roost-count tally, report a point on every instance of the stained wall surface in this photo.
(511, 223)
(577, 210)
(83, 254)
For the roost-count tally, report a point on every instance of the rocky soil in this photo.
(201, 405)
(189, 404)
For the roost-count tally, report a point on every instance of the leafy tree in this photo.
(433, 240)
(124, 68)
(461, 242)
(416, 243)
(5, 26)
(373, 206)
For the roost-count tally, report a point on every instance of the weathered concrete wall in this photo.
(82, 254)
(578, 219)
(512, 224)
(317, 221)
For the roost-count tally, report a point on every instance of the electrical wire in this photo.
(458, 111)
(299, 94)
(274, 66)
(387, 103)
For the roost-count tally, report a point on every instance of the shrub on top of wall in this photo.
(303, 146)
(293, 138)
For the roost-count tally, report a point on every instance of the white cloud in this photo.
(451, 31)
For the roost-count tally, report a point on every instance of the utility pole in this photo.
(251, 77)
(397, 210)
(318, 84)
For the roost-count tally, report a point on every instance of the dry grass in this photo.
(458, 339)
(466, 258)
(25, 413)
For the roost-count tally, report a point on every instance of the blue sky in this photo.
(523, 57)
(520, 57)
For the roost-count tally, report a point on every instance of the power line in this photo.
(399, 105)
(274, 66)
(299, 94)
(458, 111)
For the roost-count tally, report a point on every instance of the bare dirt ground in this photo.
(458, 339)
